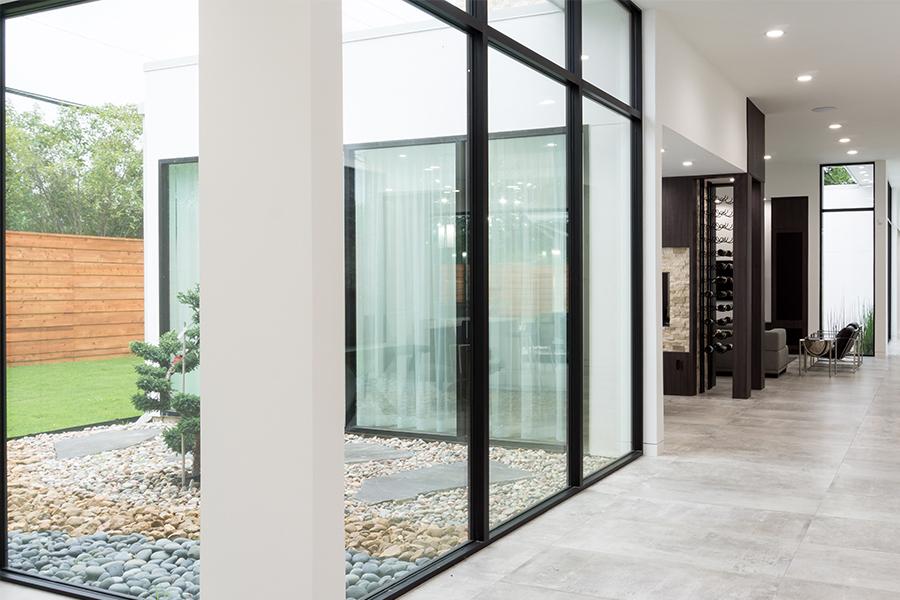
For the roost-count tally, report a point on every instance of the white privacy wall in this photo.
(271, 246)
(171, 130)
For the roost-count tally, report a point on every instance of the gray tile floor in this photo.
(792, 495)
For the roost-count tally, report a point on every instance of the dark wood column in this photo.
(757, 287)
(743, 286)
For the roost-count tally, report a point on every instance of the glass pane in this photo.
(527, 305)
(539, 24)
(848, 186)
(606, 46)
(184, 248)
(407, 347)
(848, 279)
(607, 286)
(96, 100)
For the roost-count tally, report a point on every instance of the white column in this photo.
(881, 254)
(271, 255)
(652, 360)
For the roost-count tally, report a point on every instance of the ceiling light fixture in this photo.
(731, 179)
(844, 140)
(547, 102)
(835, 126)
(687, 163)
(821, 109)
(774, 33)
(585, 57)
(767, 157)
(804, 78)
(663, 150)
(852, 152)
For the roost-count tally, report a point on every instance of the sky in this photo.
(95, 53)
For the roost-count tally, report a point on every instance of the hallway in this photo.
(792, 495)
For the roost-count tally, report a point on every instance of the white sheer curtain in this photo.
(406, 287)
(184, 251)
(528, 271)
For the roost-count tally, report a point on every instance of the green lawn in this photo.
(69, 394)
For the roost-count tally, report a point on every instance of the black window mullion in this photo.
(4, 487)
(575, 277)
(477, 170)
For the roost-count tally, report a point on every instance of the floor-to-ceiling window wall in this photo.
(101, 301)
(491, 250)
(848, 249)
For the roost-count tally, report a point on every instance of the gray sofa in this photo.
(775, 354)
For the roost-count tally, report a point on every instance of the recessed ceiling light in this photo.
(804, 78)
(821, 109)
(852, 152)
(585, 57)
(835, 126)
(687, 163)
(663, 150)
(844, 140)
(774, 33)
(767, 157)
(731, 180)
(547, 102)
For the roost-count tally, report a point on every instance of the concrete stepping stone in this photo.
(103, 442)
(406, 485)
(359, 452)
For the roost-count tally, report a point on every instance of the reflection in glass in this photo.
(539, 24)
(606, 46)
(607, 286)
(527, 305)
(406, 455)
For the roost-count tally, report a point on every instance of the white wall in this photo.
(273, 297)
(695, 99)
(171, 130)
(654, 430)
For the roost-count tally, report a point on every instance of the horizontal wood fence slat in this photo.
(71, 297)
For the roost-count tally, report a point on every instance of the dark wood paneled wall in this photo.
(756, 142)
(790, 267)
(679, 208)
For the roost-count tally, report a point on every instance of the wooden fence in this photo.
(72, 297)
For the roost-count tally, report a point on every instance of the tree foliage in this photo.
(838, 176)
(155, 391)
(80, 173)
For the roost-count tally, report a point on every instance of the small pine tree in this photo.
(163, 360)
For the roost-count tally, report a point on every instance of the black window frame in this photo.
(868, 209)
(480, 37)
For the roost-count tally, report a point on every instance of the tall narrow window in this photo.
(607, 286)
(102, 404)
(848, 250)
(407, 328)
(528, 285)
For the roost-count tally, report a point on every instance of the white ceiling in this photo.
(679, 149)
(851, 47)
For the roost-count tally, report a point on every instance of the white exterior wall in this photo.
(171, 130)
(271, 246)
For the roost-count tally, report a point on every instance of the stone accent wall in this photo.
(677, 336)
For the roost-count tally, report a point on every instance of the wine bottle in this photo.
(725, 295)
(724, 321)
(722, 280)
(723, 334)
(722, 348)
(725, 308)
